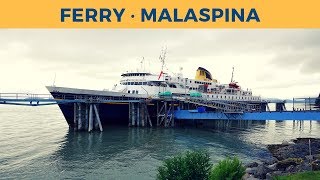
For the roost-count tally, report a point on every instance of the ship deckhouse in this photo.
(204, 84)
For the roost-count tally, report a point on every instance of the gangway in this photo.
(27, 99)
(224, 106)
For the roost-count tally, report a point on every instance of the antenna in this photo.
(141, 63)
(54, 80)
(163, 57)
(232, 74)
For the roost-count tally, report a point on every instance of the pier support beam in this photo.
(165, 114)
(139, 115)
(98, 117)
(79, 117)
(90, 119)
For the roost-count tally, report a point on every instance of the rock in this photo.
(277, 173)
(273, 167)
(269, 176)
(315, 165)
(253, 164)
(252, 178)
(248, 177)
(310, 157)
(270, 161)
(298, 150)
(305, 166)
(290, 169)
(273, 174)
(252, 170)
(282, 165)
(262, 170)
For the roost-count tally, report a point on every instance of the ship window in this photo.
(137, 92)
(140, 83)
(144, 83)
(190, 81)
(133, 91)
(129, 91)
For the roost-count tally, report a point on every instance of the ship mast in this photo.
(232, 80)
(163, 57)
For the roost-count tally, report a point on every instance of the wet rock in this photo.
(273, 167)
(310, 157)
(315, 165)
(262, 170)
(252, 170)
(252, 178)
(305, 166)
(282, 165)
(270, 161)
(269, 176)
(290, 169)
(251, 165)
(299, 149)
(273, 174)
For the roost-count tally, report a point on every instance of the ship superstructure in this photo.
(209, 88)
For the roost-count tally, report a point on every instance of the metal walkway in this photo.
(26, 99)
(223, 106)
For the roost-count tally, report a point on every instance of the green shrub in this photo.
(191, 165)
(228, 169)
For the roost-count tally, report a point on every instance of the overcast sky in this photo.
(273, 63)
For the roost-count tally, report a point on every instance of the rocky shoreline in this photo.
(288, 158)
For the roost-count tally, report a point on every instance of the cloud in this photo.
(263, 58)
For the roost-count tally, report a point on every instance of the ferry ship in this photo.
(145, 85)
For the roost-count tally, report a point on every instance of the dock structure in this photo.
(139, 114)
(87, 112)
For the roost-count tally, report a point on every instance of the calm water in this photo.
(35, 143)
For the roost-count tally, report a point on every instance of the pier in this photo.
(88, 112)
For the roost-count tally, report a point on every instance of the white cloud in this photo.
(274, 63)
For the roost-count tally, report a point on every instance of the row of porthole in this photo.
(134, 83)
(231, 97)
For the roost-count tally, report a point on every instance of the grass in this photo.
(300, 176)
(195, 165)
(189, 166)
(228, 169)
